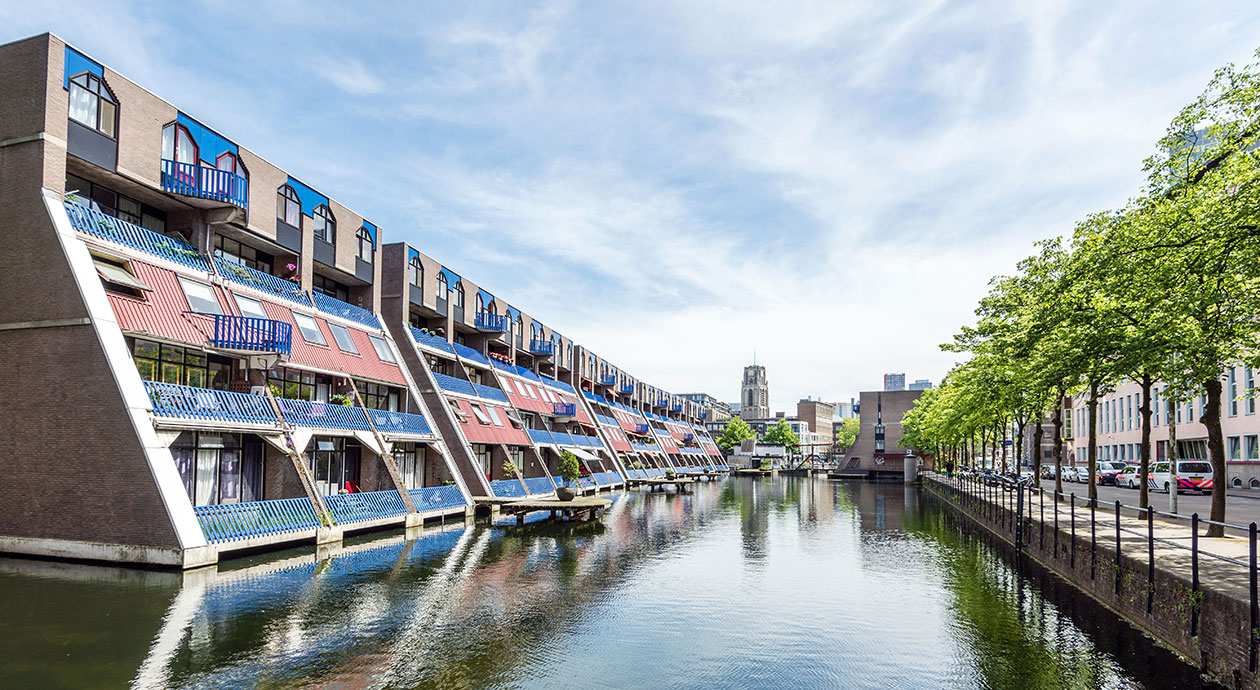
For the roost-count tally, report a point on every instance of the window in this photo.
(1233, 448)
(92, 105)
(178, 145)
(288, 206)
(532, 394)
(481, 305)
(367, 245)
(458, 299)
(479, 414)
(519, 387)
(416, 270)
(494, 415)
(1233, 392)
(377, 396)
(443, 291)
(219, 468)
(296, 385)
(232, 251)
(200, 297)
(342, 336)
(250, 307)
(520, 331)
(181, 366)
(1251, 447)
(309, 328)
(457, 410)
(382, 349)
(118, 276)
(327, 286)
(325, 224)
(1249, 382)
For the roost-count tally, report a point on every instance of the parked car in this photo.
(1047, 471)
(1108, 471)
(1129, 477)
(1079, 475)
(1192, 475)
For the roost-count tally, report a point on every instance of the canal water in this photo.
(744, 583)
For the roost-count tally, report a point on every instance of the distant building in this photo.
(843, 410)
(711, 409)
(921, 385)
(894, 382)
(878, 448)
(755, 393)
(817, 415)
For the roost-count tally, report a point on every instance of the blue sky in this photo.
(674, 184)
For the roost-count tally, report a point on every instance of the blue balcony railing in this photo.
(663, 402)
(454, 385)
(372, 505)
(388, 422)
(641, 428)
(562, 438)
(323, 415)
(430, 340)
(488, 393)
(539, 485)
(205, 182)
(677, 407)
(253, 334)
(627, 388)
(187, 402)
(608, 379)
(542, 347)
(539, 435)
(232, 521)
(507, 488)
(437, 497)
(563, 409)
(334, 306)
(689, 437)
(258, 280)
(469, 353)
(644, 446)
(703, 415)
(491, 322)
(97, 224)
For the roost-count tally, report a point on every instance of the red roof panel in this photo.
(329, 357)
(164, 311)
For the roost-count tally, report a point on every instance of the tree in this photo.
(782, 434)
(569, 470)
(737, 431)
(847, 435)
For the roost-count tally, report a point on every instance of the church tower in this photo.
(755, 394)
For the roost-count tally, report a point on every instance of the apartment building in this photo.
(1119, 424)
(201, 377)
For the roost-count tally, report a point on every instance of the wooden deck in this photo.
(582, 506)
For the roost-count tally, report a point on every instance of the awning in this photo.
(583, 454)
(368, 439)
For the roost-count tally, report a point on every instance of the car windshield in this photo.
(1109, 466)
(1194, 467)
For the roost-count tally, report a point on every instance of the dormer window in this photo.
(178, 144)
(92, 105)
(325, 225)
(416, 270)
(367, 245)
(288, 206)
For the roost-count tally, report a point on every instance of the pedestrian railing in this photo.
(253, 278)
(539, 485)
(1007, 503)
(92, 222)
(232, 521)
(437, 497)
(507, 488)
(188, 402)
(359, 507)
(351, 312)
(389, 422)
(323, 415)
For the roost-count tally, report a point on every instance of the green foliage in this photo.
(736, 432)
(340, 399)
(782, 434)
(848, 433)
(569, 470)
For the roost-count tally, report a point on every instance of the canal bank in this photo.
(1155, 574)
(749, 582)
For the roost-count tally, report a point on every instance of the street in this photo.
(1239, 510)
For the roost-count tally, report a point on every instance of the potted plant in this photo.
(569, 472)
(340, 399)
(669, 474)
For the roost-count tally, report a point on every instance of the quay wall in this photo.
(1217, 637)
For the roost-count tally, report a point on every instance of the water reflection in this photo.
(743, 583)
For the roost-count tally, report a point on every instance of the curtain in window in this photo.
(82, 106)
(207, 485)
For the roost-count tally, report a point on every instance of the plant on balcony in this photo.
(293, 275)
(669, 474)
(340, 399)
(510, 469)
(569, 472)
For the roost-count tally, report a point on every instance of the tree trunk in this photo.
(984, 443)
(1000, 435)
(1211, 418)
(1020, 423)
(1036, 450)
(1144, 495)
(1093, 439)
(1058, 441)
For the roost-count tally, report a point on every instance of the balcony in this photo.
(232, 521)
(430, 340)
(640, 428)
(626, 388)
(542, 347)
(186, 402)
(249, 277)
(676, 408)
(486, 321)
(92, 222)
(437, 497)
(361, 507)
(564, 409)
(251, 334)
(539, 435)
(608, 380)
(689, 437)
(334, 306)
(388, 422)
(323, 415)
(205, 182)
(663, 403)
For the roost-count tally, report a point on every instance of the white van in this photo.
(1192, 475)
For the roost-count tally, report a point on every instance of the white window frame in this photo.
(297, 319)
(457, 410)
(494, 415)
(351, 349)
(241, 303)
(479, 413)
(382, 349)
(183, 285)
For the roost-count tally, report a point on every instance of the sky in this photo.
(675, 185)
